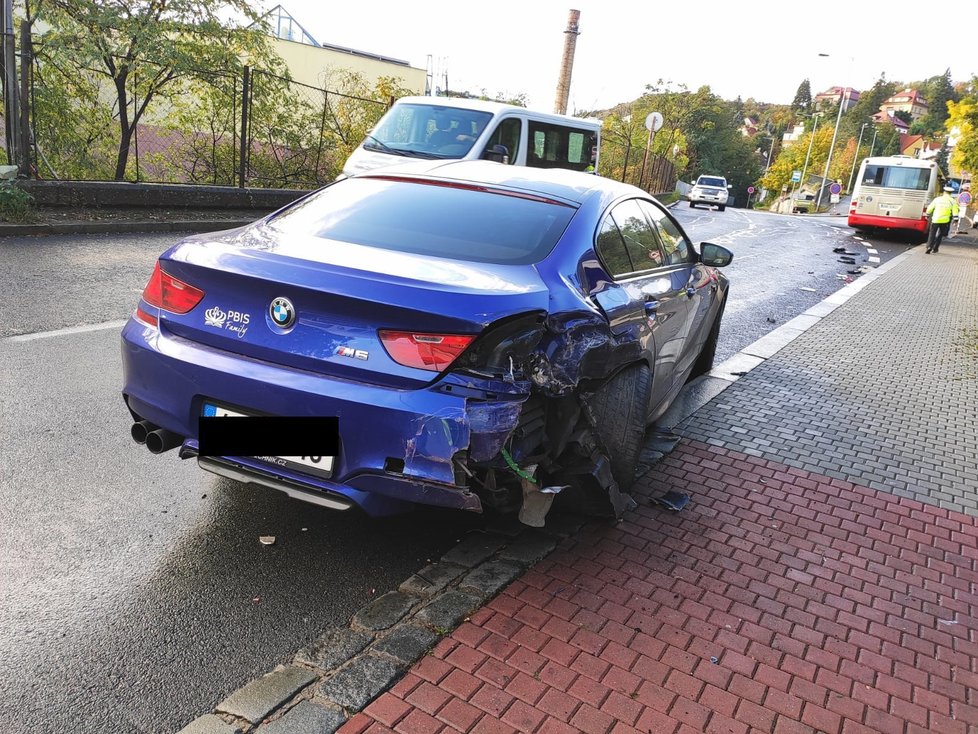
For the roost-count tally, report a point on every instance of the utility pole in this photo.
(872, 146)
(828, 162)
(567, 62)
(855, 157)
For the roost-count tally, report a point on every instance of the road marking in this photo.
(67, 331)
(871, 251)
(873, 259)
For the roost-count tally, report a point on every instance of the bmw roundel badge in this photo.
(282, 312)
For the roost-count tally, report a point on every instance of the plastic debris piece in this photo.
(266, 539)
(536, 501)
(855, 272)
(674, 501)
(947, 621)
(771, 321)
(714, 660)
(809, 290)
(838, 249)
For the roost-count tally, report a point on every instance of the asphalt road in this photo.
(134, 593)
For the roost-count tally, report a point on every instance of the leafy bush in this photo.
(16, 205)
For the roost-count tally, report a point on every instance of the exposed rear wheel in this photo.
(619, 409)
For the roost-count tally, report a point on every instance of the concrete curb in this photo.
(123, 227)
(340, 673)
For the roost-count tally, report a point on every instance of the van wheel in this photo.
(721, 207)
(692, 205)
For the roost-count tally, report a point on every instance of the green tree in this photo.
(137, 51)
(963, 120)
(802, 103)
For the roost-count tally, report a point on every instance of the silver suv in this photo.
(709, 190)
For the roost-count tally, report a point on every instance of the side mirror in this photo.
(716, 256)
(497, 153)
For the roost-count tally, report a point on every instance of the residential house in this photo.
(909, 101)
(888, 118)
(834, 95)
(912, 145)
(750, 127)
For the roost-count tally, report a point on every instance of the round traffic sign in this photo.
(835, 188)
(653, 121)
(964, 197)
(750, 189)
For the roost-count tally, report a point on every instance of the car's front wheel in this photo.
(722, 207)
(692, 205)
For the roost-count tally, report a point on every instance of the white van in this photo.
(453, 128)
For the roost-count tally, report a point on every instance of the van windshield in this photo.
(427, 131)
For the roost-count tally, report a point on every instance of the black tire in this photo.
(704, 362)
(722, 207)
(619, 408)
(692, 205)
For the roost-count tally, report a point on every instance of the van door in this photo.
(509, 133)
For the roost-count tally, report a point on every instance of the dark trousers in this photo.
(938, 231)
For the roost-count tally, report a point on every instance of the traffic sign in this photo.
(653, 121)
(835, 188)
(751, 189)
(795, 176)
(964, 198)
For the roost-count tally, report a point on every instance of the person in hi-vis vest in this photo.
(941, 211)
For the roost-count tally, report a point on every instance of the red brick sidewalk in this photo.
(779, 601)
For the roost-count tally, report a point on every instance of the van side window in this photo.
(507, 133)
(559, 146)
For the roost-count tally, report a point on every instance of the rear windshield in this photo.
(432, 220)
(897, 177)
(707, 181)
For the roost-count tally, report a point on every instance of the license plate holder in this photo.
(319, 466)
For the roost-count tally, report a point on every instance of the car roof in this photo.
(557, 183)
(492, 107)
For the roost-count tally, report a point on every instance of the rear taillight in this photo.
(166, 292)
(433, 352)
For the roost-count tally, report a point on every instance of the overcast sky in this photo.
(738, 49)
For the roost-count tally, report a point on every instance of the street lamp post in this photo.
(855, 157)
(872, 146)
(835, 134)
(811, 140)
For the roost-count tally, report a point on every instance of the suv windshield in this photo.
(709, 181)
(427, 131)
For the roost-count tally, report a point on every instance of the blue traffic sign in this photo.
(835, 188)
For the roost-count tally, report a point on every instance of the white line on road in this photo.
(66, 332)
(874, 259)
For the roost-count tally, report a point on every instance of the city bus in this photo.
(892, 192)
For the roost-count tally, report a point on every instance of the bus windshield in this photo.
(897, 177)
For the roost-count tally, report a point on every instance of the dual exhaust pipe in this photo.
(156, 439)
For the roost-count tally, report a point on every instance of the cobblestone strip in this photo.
(778, 601)
(346, 668)
(883, 391)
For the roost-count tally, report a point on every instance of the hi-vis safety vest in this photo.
(944, 208)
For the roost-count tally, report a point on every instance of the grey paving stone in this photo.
(209, 724)
(528, 548)
(306, 718)
(448, 610)
(473, 549)
(356, 685)
(384, 611)
(259, 698)
(333, 648)
(486, 579)
(407, 642)
(431, 579)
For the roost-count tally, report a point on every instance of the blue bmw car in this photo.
(480, 336)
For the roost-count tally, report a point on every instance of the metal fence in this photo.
(252, 128)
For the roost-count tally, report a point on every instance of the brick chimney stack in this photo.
(567, 62)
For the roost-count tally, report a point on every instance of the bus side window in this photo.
(507, 133)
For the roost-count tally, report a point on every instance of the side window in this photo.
(675, 244)
(611, 249)
(507, 133)
(557, 146)
(640, 239)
